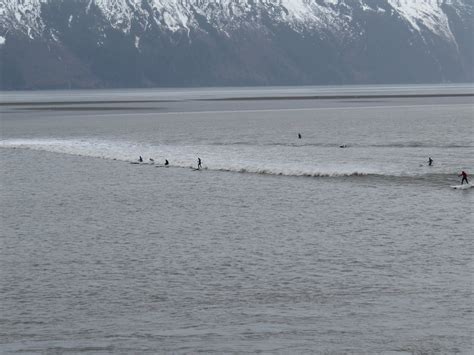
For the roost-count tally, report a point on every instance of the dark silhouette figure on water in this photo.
(464, 177)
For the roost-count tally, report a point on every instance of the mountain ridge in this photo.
(119, 43)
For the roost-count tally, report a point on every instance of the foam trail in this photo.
(244, 158)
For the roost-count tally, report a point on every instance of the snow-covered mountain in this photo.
(103, 43)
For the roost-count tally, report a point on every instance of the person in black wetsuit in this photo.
(464, 177)
(167, 162)
(140, 159)
(430, 161)
(199, 163)
(299, 135)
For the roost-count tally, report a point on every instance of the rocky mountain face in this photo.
(144, 43)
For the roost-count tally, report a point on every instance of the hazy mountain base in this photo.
(88, 53)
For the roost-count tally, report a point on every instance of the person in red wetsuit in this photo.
(464, 177)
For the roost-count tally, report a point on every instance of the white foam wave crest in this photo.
(184, 156)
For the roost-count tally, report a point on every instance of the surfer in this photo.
(430, 161)
(299, 135)
(151, 160)
(167, 162)
(199, 163)
(140, 159)
(464, 177)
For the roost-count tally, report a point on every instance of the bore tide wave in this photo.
(308, 161)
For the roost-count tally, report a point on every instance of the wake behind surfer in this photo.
(464, 177)
(199, 163)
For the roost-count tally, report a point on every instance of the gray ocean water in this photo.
(278, 245)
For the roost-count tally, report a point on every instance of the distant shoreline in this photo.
(88, 102)
(243, 98)
(340, 97)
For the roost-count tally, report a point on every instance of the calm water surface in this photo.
(279, 244)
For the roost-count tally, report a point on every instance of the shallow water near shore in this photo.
(279, 244)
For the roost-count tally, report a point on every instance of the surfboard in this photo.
(141, 163)
(462, 187)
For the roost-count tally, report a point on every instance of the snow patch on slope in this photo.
(119, 13)
(175, 15)
(22, 15)
(424, 13)
(224, 15)
(307, 14)
(172, 15)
